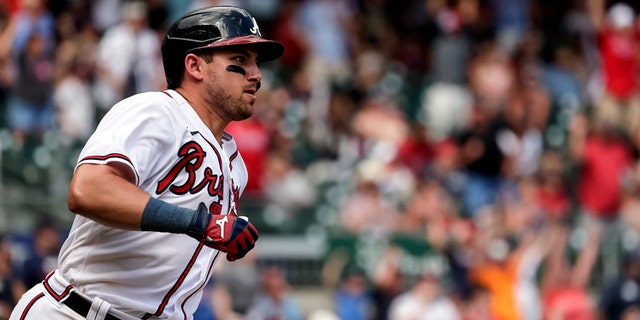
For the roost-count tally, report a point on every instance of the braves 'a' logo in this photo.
(192, 157)
(221, 222)
(254, 29)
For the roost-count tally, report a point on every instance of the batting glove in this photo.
(232, 234)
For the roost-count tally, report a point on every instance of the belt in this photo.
(81, 306)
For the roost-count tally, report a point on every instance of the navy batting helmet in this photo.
(212, 27)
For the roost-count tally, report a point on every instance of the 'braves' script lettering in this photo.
(191, 158)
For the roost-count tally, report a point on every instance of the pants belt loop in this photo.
(99, 309)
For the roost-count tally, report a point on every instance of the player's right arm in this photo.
(106, 194)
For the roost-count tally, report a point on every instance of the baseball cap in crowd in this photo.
(621, 15)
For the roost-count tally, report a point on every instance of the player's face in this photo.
(233, 80)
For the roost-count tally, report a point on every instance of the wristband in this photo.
(162, 216)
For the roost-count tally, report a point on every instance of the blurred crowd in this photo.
(503, 133)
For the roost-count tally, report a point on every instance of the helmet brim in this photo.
(267, 50)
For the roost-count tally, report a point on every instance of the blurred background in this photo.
(408, 159)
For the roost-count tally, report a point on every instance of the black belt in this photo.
(81, 306)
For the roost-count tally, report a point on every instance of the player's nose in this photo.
(254, 74)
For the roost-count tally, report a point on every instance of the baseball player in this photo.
(156, 187)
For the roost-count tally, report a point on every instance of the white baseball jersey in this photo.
(175, 158)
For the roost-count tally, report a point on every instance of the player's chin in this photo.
(243, 113)
(250, 106)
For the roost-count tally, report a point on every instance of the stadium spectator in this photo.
(509, 254)
(75, 111)
(426, 299)
(352, 298)
(274, 300)
(328, 28)
(565, 285)
(29, 42)
(618, 46)
(621, 297)
(447, 100)
(136, 47)
(603, 158)
(366, 210)
(287, 30)
(387, 281)
(512, 21)
(42, 256)
(482, 160)
(552, 190)
(232, 294)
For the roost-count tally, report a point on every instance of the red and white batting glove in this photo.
(232, 234)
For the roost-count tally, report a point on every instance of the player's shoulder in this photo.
(153, 95)
(151, 99)
(149, 105)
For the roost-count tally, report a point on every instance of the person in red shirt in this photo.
(619, 48)
(603, 159)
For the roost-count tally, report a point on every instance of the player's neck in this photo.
(206, 113)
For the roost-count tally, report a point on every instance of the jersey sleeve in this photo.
(134, 132)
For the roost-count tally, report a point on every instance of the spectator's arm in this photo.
(221, 302)
(595, 10)
(555, 260)
(583, 266)
(6, 38)
(578, 130)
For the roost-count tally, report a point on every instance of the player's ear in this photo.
(193, 66)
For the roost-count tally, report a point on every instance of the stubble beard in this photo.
(234, 108)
